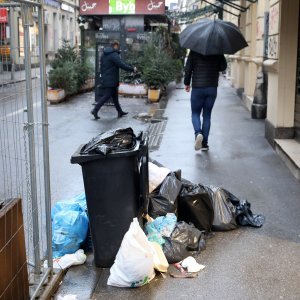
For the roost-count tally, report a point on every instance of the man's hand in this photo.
(135, 69)
(187, 88)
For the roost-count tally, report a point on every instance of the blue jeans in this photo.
(202, 101)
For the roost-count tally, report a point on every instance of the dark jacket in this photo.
(204, 70)
(110, 64)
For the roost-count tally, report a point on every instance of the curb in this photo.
(16, 81)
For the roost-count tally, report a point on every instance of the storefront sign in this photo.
(52, 3)
(159, 24)
(122, 7)
(3, 15)
(150, 7)
(67, 8)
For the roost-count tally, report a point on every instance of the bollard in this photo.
(259, 106)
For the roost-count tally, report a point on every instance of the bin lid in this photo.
(78, 158)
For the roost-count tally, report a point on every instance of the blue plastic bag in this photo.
(70, 204)
(69, 225)
(165, 225)
(153, 235)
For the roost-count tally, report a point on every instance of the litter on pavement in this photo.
(177, 271)
(191, 265)
(176, 219)
(68, 260)
(181, 215)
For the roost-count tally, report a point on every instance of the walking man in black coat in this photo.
(110, 65)
(203, 71)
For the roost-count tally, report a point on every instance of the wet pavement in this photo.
(247, 263)
(72, 125)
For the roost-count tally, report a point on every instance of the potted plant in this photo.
(160, 63)
(153, 79)
(68, 74)
(157, 68)
(131, 84)
(61, 82)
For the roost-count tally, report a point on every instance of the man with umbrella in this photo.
(208, 40)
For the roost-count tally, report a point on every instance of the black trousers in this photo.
(109, 92)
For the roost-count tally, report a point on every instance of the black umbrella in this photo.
(211, 37)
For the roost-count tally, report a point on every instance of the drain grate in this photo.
(155, 134)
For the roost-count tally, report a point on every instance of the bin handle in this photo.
(144, 176)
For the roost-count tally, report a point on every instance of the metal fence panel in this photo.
(24, 149)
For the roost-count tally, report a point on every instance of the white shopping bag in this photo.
(134, 263)
(156, 175)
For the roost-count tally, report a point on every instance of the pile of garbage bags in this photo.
(208, 208)
(180, 217)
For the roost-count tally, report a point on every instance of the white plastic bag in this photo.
(156, 175)
(68, 260)
(134, 263)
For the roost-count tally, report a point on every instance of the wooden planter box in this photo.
(153, 95)
(55, 95)
(136, 90)
(89, 85)
(13, 270)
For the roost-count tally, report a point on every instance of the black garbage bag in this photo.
(163, 199)
(189, 235)
(195, 206)
(229, 211)
(224, 210)
(174, 251)
(245, 217)
(243, 213)
(122, 139)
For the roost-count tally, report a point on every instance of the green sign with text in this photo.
(121, 7)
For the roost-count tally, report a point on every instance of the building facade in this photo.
(60, 21)
(61, 24)
(271, 63)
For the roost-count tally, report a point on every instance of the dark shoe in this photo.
(122, 114)
(95, 115)
(204, 147)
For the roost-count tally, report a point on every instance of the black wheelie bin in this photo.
(116, 187)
